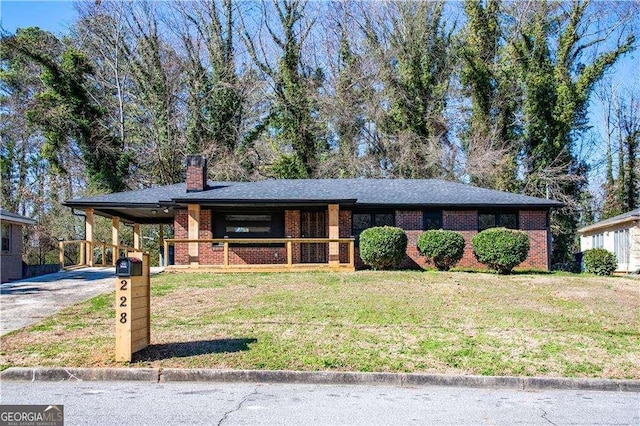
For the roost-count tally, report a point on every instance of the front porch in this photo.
(315, 240)
(264, 255)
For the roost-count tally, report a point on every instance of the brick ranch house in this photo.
(312, 223)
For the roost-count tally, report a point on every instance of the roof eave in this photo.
(459, 206)
(277, 202)
(603, 225)
(99, 204)
(25, 221)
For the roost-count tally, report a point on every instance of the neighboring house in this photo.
(274, 215)
(620, 235)
(11, 255)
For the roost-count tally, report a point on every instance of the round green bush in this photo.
(383, 247)
(599, 261)
(501, 249)
(443, 248)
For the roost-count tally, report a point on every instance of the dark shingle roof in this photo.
(383, 192)
(405, 192)
(141, 197)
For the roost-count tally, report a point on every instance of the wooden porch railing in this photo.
(116, 250)
(332, 263)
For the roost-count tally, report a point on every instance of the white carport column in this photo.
(194, 232)
(115, 239)
(334, 233)
(88, 235)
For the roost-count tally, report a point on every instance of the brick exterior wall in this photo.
(344, 232)
(292, 229)
(208, 255)
(466, 222)
(412, 223)
(534, 223)
(463, 221)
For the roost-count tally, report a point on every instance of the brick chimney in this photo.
(196, 173)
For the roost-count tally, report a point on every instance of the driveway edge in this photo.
(167, 375)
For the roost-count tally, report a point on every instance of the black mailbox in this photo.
(128, 267)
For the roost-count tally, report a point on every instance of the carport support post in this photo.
(61, 254)
(136, 236)
(88, 228)
(334, 233)
(194, 231)
(161, 244)
(115, 239)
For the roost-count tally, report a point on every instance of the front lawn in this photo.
(409, 321)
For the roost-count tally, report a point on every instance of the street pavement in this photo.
(129, 403)
(29, 301)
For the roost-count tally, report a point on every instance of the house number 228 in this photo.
(123, 302)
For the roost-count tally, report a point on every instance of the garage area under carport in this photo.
(146, 209)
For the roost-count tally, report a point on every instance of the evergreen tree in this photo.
(557, 86)
(67, 114)
(487, 75)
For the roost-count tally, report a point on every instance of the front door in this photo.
(313, 225)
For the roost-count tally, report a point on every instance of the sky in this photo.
(53, 16)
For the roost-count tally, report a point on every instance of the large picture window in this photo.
(249, 225)
(497, 220)
(432, 220)
(362, 221)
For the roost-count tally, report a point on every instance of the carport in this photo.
(145, 207)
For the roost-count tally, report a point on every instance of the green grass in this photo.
(405, 321)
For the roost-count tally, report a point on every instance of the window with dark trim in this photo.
(362, 221)
(249, 225)
(432, 220)
(497, 220)
(6, 237)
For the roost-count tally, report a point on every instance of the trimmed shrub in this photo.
(501, 249)
(599, 261)
(443, 248)
(383, 247)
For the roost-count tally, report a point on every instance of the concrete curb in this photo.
(80, 374)
(167, 375)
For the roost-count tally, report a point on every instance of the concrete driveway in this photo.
(28, 301)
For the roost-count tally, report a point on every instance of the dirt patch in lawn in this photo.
(463, 323)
